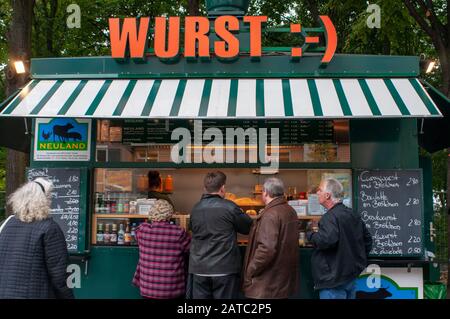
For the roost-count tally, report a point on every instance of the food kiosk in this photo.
(101, 123)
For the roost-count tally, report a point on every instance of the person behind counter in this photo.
(33, 249)
(154, 187)
(342, 244)
(271, 259)
(215, 259)
(163, 249)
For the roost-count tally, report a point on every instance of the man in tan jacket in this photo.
(271, 259)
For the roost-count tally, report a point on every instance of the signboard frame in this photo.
(357, 171)
(83, 205)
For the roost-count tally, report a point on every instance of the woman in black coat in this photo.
(33, 250)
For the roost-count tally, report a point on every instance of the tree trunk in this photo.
(19, 48)
(193, 8)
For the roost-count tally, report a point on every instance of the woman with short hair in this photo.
(33, 249)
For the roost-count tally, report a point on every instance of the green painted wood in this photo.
(348, 66)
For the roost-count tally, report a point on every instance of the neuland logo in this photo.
(62, 135)
(231, 147)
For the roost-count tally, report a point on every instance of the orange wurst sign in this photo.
(130, 36)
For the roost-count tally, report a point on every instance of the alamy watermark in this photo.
(374, 19)
(74, 18)
(234, 150)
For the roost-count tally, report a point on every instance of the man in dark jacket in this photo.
(215, 260)
(342, 244)
(271, 260)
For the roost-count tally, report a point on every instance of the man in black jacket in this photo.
(215, 260)
(342, 244)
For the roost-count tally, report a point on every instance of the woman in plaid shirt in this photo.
(163, 251)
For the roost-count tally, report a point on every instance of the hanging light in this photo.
(430, 67)
(20, 67)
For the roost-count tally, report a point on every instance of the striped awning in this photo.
(223, 98)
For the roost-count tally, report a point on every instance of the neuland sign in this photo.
(130, 37)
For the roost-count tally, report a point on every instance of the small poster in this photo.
(390, 283)
(62, 139)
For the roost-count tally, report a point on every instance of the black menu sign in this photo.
(66, 200)
(390, 203)
(290, 131)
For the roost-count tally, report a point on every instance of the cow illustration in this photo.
(381, 293)
(61, 132)
(73, 135)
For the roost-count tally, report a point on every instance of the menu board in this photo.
(67, 201)
(290, 131)
(390, 203)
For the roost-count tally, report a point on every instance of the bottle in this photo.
(133, 234)
(126, 204)
(100, 235)
(106, 235)
(168, 184)
(127, 236)
(119, 204)
(121, 236)
(113, 204)
(113, 237)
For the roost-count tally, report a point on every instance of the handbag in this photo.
(5, 222)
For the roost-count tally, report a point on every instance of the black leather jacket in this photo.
(215, 223)
(342, 245)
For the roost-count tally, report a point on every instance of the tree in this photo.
(19, 48)
(434, 18)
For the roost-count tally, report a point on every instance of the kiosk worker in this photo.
(33, 249)
(342, 244)
(154, 187)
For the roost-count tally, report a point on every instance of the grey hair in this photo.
(274, 187)
(335, 188)
(31, 202)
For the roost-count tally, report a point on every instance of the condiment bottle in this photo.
(121, 236)
(100, 234)
(168, 184)
(127, 236)
(113, 237)
(107, 235)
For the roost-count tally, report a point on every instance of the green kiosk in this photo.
(101, 123)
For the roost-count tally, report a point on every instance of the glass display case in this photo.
(121, 203)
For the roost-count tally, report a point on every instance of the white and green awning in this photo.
(223, 98)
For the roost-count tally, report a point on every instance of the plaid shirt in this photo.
(161, 270)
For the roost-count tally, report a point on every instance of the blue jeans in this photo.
(345, 291)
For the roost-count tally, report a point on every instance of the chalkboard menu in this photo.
(390, 203)
(67, 208)
(290, 131)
